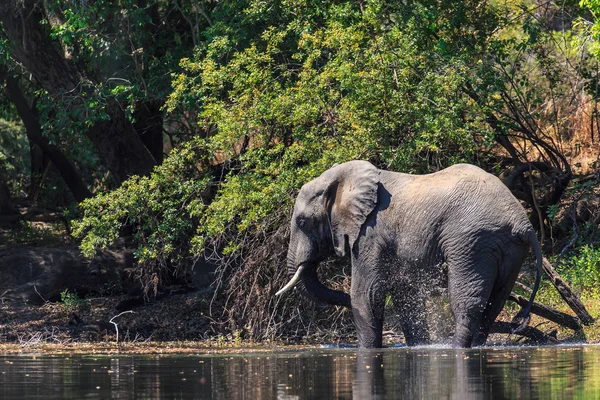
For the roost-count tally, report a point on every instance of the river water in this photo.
(393, 373)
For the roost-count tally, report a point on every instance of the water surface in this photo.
(393, 373)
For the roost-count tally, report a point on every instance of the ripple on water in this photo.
(334, 371)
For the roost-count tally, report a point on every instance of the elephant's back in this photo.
(447, 179)
(461, 173)
(479, 201)
(464, 197)
(459, 183)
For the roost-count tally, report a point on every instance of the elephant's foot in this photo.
(410, 305)
(369, 331)
(370, 339)
(480, 339)
(461, 342)
(466, 326)
(370, 344)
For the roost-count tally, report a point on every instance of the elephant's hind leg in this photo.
(511, 266)
(470, 285)
(493, 308)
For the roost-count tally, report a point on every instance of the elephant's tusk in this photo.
(292, 281)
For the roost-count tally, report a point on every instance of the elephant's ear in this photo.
(353, 198)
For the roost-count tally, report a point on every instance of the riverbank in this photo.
(39, 314)
(179, 324)
(186, 347)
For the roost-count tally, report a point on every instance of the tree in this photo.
(34, 132)
(6, 206)
(115, 138)
(258, 97)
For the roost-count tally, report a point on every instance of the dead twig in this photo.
(115, 324)
(38, 293)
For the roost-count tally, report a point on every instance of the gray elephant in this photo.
(403, 233)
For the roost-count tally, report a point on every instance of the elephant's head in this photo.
(329, 213)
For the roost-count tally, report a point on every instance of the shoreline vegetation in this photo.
(172, 325)
(147, 187)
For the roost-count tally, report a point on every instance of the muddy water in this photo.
(393, 373)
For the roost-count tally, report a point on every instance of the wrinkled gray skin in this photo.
(405, 232)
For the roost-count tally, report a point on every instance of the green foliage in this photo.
(160, 211)
(71, 301)
(302, 97)
(14, 155)
(301, 100)
(582, 270)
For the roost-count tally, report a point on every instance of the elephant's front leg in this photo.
(368, 301)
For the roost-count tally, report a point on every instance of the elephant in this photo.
(404, 232)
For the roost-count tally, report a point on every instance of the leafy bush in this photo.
(285, 113)
(280, 112)
(70, 300)
(582, 270)
(160, 211)
(292, 89)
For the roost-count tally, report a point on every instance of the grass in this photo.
(549, 296)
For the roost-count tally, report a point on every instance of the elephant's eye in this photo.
(301, 221)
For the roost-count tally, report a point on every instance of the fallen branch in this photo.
(530, 332)
(567, 294)
(524, 287)
(42, 297)
(549, 313)
(115, 324)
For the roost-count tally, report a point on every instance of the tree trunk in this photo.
(32, 46)
(6, 206)
(149, 125)
(116, 139)
(548, 312)
(39, 162)
(34, 132)
(120, 146)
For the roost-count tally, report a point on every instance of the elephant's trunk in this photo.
(304, 278)
(312, 287)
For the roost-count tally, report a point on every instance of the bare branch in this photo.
(115, 324)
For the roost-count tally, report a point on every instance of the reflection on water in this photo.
(432, 373)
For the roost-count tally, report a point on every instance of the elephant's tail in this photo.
(522, 318)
